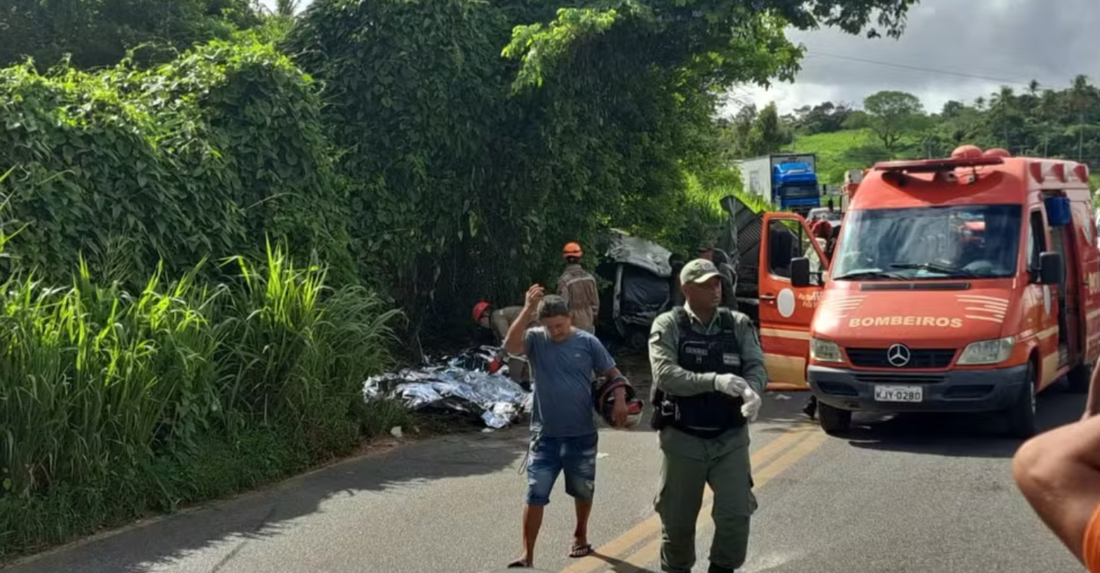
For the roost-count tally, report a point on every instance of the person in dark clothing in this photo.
(675, 295)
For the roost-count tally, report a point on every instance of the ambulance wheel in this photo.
(1021, 415)
(833, 420)
(1078, 379)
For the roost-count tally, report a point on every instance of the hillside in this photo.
(836, 152)
(840, 151)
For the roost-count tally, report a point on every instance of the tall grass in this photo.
(114, 404)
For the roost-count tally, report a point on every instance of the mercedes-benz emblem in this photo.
(898, 355)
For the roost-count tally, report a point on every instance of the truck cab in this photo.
(966, 284)
(787, 181)
(796, 186)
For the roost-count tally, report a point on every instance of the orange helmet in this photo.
(572, 251)
(480, 309)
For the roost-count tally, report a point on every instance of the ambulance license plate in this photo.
(899, 393)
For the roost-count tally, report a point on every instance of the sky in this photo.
(951, 49)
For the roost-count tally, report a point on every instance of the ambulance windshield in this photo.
(929, 243)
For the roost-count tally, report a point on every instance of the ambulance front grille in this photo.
(930, 358)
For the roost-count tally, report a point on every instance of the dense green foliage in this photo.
(203, 157)
(469, 171)
(99, 32)
(124, 394)
(114, 404)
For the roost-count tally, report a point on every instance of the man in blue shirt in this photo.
(563, 430)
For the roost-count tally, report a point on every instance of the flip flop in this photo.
(519, 564)
(579, 551)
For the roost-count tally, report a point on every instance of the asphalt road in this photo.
(919, 494)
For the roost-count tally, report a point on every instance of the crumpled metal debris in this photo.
(461, 383)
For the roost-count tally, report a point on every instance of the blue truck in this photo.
(788, 181)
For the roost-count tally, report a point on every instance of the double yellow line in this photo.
(767, 462)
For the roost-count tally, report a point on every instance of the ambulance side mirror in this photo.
(1051, 268)
(800, 272)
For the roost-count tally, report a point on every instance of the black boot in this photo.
(716, 569)
(811, 408)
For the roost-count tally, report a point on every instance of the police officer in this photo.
(708, 374)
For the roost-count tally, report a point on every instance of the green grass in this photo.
(857, 149)
(838, 152)
(115, 405)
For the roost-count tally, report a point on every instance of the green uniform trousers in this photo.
(689, 464)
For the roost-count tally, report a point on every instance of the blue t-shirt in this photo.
(563, 370)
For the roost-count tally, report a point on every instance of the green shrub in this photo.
(116, 404)
(201, 157)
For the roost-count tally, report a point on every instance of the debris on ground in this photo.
(460, 383)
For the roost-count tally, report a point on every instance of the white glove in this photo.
(729, 384)
(752, 404)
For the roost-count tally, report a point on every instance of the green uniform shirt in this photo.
(664, 345)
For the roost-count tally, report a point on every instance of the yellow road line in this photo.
(652, 525)
(651, 552)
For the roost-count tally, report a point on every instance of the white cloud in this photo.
(950, 50)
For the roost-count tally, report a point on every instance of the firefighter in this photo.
(498, 322)
(708, 372)
(578, 287)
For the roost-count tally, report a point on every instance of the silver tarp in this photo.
(461, 384)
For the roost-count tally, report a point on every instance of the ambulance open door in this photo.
(786, 310)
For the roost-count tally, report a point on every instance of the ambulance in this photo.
(963, 284)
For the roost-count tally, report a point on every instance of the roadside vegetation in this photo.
(210, 243)
(1037, 121)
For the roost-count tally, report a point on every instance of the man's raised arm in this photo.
(515, 342)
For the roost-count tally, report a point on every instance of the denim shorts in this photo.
(575, 457)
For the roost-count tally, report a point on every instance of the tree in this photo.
(825, 117)
(286, 8)
(97, 33)
(1005, 119)
(1082, 95)
(459, 159)
(767, 134)
(893, 115)
(718, 42)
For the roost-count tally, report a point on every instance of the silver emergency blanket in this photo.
(461, 383)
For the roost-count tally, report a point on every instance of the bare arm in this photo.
(1092, 407)
(1059, 474)
(668, 376)
(515, 342)
(620, 393)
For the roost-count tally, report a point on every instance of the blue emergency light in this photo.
(1058, 209)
